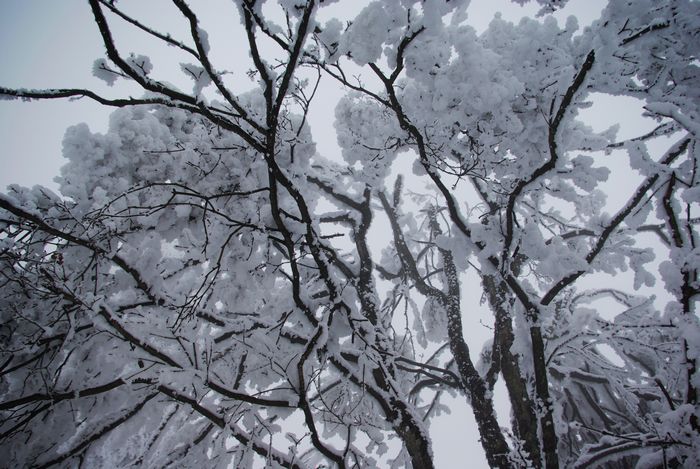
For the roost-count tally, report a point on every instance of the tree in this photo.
(205, 289)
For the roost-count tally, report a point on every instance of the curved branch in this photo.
(616, 221)
(163, 37)
(204, 60)
(553, 155)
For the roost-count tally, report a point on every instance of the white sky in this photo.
(52, 43)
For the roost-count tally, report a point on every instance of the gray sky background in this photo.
(52, 43)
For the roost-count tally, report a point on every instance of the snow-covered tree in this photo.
(205, 290)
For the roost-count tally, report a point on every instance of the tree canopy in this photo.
(208, 290)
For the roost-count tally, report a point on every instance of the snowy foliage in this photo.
(205, 289)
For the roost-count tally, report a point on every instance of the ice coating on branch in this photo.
(204, 39)
(659, 49)
(690, 123)
(198, 75)
(381, 25)
(584, 175)
(364, 38)
(367, 134)
(330, 39)
(141, 64)
(102, 70)
(93, 156)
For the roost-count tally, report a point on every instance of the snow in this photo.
(103, 71)
(168, 221)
